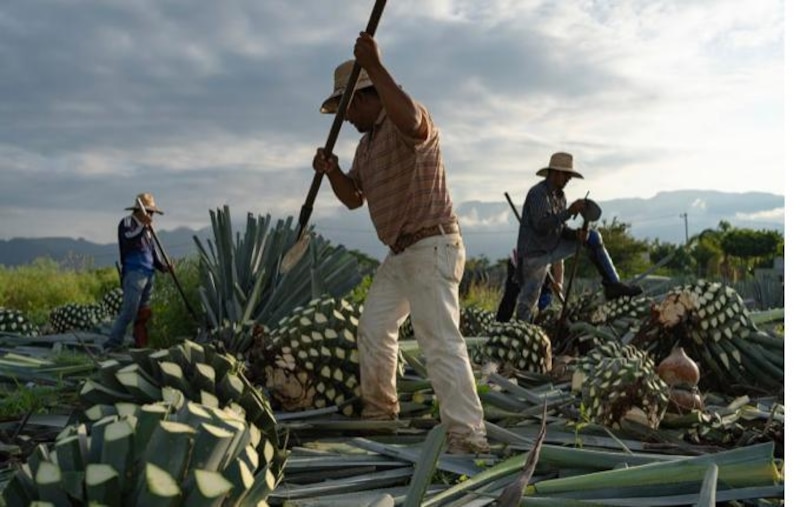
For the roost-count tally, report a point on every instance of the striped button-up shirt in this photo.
(543, 220)
(402, 179)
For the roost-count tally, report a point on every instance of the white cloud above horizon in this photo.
(208, 103)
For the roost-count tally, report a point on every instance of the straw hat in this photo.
(560, 162)
(340, 77)
(148, 201)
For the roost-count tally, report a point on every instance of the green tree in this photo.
(707, 253)
(751, 247)
(681, 261)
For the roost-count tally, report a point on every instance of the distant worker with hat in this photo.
(398, 171)
(544, 238)
(139, 259)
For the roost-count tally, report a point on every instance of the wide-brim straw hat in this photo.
(148, 201)
(560, 162)
(340, 77)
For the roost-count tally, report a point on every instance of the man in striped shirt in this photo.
(544, 238)
(398, 171)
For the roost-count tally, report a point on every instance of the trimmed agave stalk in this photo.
(169, 453)
(474, 321)
(310, 359)
(619, 382)
(111, 302)
(623, 314)
(16, 322)
(711, 322)
(517, 345)
(77, 317)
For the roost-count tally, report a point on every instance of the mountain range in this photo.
(489, 228)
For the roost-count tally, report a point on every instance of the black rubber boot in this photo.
(618, 290)
(612, 287)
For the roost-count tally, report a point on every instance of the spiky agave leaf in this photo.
(242, 280)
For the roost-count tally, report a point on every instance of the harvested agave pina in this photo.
(678, 369)
(684, 400)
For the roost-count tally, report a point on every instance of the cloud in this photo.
(777, 214)
(206, 102)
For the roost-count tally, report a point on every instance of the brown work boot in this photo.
(140, 337)
(380, 423)
(467, 444)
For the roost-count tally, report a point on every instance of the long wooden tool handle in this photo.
(513, 208)
(344, 103)
(562, 318)
(166, 260)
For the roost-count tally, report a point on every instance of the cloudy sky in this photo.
(207, 103)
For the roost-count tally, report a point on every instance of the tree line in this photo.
(726, 253)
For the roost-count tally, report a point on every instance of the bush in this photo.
(37, 288)
(171, 321)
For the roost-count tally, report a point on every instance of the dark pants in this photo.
(136, 290)
(510, 292)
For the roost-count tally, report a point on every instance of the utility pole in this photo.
(685, 218)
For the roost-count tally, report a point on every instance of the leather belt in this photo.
(406, 240)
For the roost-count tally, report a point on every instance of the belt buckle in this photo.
(406, 240)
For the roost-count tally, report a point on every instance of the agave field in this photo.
(674, 397)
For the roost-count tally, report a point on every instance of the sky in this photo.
(207, 103)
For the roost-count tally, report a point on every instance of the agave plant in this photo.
(188, 371)
(243, 280)
(172, 453)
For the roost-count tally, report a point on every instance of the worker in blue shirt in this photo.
(545, 240)
(139, 263)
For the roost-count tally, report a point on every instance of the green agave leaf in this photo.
(242, 280)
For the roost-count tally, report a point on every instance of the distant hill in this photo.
(489, 228)
(17, 251)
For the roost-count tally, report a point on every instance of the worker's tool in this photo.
(167, 261)
(591, 213)
(296, 251)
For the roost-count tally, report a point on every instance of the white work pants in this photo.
(423, 281)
